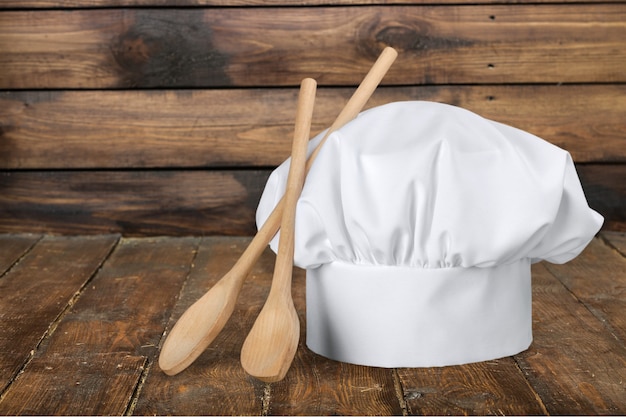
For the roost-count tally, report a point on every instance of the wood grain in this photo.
(135, 202)
(605, 190)
(215, 384)
(13, 247)
(37, 290)
(568, 336)
(97, 384)
(604, 293)
(180, 3)
(236, 128)
(124, 309)
(253, 47)
(319, 386)
(617, 240)
(495, 387)
(104, 341)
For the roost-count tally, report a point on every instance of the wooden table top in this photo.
(82, 319)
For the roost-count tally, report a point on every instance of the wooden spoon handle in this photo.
(349, 112)
(295, 181)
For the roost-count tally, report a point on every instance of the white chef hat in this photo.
(417, 226)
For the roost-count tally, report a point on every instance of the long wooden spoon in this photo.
(269, 349)
(202, 321)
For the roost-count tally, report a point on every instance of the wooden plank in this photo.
(215, 384)
(75, 384)
(191, 202)
(495, 387)
(181, 3)
(37, 290)
(142, 129)
(598, 279)
(574, 364)
(221, 47)
(13, 247)
(132, 202)
(96, 354)
(617, 240)
(253, 127)
(605, 190)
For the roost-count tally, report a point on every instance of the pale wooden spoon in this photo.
(269, 349)
(201, 323)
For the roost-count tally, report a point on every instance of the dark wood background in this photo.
(156, 117)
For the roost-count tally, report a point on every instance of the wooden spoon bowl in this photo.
(270, 347)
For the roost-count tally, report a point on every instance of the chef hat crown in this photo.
(417, 225)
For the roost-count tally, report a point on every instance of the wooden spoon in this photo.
(269, 349)
(201, 323)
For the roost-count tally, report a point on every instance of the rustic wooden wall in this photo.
(166, 116)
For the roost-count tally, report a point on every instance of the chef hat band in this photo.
(417, 225)
(414, 317)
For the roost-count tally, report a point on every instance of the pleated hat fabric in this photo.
(417, 226)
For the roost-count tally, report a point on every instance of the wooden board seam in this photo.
(608, 243)
(19, 258)
(399, 389)
(140, 383)
(517, 359)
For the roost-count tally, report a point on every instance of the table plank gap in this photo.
(13, 248)
(615, 239)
